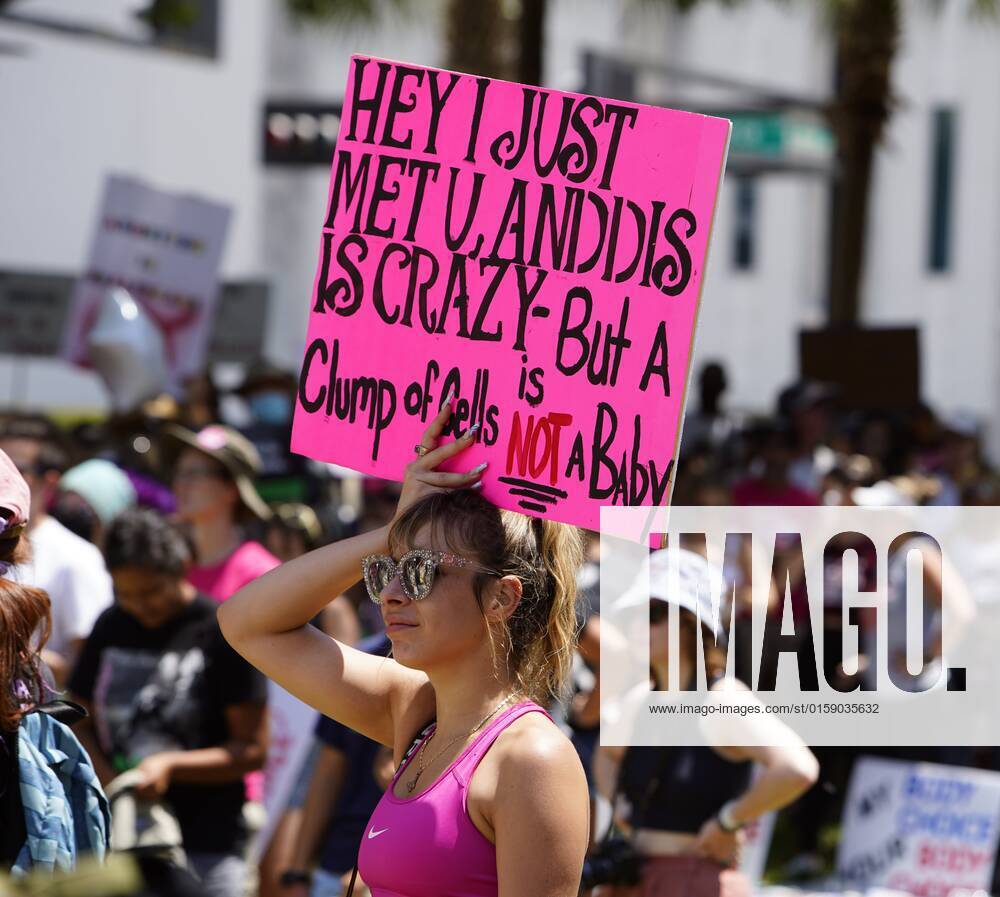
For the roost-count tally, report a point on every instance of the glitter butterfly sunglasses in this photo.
(416, 571)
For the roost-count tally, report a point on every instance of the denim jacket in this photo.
(65, 811)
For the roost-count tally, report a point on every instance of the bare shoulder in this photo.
(530, 770)
(728, 685)
(540, 813)
(533, 758)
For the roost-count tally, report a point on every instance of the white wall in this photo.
(311, 63)
(952, 60)
(75, 109)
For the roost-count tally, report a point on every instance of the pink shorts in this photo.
(682, 876)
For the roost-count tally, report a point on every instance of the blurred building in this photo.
(187, 112)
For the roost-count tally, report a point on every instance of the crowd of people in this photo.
(149, 530)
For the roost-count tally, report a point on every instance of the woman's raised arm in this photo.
(267, 620)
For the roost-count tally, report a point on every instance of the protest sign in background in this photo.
(757, 841)
(165, 249)
(290, 725)
(541, 252)
(919, 827)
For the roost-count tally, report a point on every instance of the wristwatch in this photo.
(295, 877)
(726, 820)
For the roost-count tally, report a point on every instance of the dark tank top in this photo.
(691, 785)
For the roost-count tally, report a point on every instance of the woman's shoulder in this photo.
(533, 745)
(729, 685)
(533, 772)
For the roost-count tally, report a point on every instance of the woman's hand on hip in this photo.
(716, 844)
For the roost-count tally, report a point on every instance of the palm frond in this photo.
(987, 9)
(687, 5)
(344, 11)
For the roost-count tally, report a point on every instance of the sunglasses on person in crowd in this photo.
(658, 611)
(416, 570)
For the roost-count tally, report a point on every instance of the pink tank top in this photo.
(427, 846)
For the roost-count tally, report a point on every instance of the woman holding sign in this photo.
(479, 605)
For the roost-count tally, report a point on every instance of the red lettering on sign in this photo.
(534, 445)
(952, 858)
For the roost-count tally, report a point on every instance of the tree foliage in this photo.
(343, 11)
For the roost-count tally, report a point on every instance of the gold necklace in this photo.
(422, 764)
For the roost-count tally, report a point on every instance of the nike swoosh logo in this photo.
(374, 834)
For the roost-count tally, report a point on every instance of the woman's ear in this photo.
(505, 599)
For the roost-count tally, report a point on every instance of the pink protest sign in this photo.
(542, 252)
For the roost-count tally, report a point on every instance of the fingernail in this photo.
(449, 397)
(480, 467)
(477, 485)
(471, 431)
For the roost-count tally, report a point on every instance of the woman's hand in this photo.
(422, 477)
(156, 770)
(715, 844)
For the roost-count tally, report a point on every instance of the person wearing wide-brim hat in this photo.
(213, 472)
(685, 805)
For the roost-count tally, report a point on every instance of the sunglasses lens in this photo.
(417, 575)
(379, 572)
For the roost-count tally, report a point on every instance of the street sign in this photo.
(34, 306)
(33, 310)
(781, 135)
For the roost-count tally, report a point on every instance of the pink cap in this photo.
(15, 496)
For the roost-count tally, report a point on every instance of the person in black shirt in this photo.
(684, 806)
(168, 697)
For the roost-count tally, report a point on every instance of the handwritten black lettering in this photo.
(351, 287)
(656, 363)
(370, 105)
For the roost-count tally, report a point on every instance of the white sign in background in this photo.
(921, 828)
(290, 726)
(757, 842)
(165, 249)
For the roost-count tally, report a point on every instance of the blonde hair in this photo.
(540, 635)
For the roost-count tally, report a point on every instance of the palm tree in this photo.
(479, 36)
(476, 38)
(866, 38)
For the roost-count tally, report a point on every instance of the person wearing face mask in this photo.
(269, 392)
